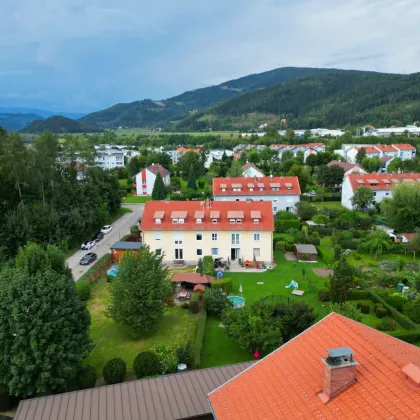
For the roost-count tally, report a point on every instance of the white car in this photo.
(106, 229)
(88, 245)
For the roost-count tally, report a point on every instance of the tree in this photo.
(192, 183)
(360, 155)
(341, 281)
(44, 330)
(347, 309)
(375, 243)
(139, 291)
(191, 160)
(216, 301)
(236, 169)
(362, 198)
(159, 190)
(305, 210)
(307, 134)
(254, 157)
(330, 176)
(302, 173)
(395, 164)
(373, 164)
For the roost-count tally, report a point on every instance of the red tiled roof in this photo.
(275, 146)
(156, 167)
(384, 180)
(219, 210)
(409, 236)
(385, 158)
(284, 385)
(369, 149)
(184, 150)
(386, 148)
(404, 146)
(193, 278)
(265, 181)
(345, 165)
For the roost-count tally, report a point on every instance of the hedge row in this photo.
(98, 269)
(322, 230)
(323, 197)
(399, 317)
(199, 338)
(356, 294)
(285, 225)
(224, 284)
(326, 257)
(349, 243)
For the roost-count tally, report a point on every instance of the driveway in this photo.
(120, 228)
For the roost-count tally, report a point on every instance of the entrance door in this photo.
(179, 254)
(234, 254)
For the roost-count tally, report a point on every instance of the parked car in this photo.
(88, 245)
(98, 237)
(106, 229)
(88, 258)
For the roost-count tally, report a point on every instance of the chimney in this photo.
(339, 372)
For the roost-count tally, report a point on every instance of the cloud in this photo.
(84, 55)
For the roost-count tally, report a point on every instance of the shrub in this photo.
(84, 290)
(134, 230)
(315, 241)
(146, 364)
(285, 215)
(183, 353)
(215, 301)
(324, 294)
(195, 303)
(86, 377)
(224, 284)
(337, 252)
(315, 234)
(168, 359)
(396, 300)
(358, 294)
(364, 307)
(201, 183)
(347, 236)
(199, 338)
(208, 265)
(322, 230)
(349, 244)
(185, 305)
(284, 225)
(387, 324)
(378, 305)
(4, 398)
(289, 247)
(114, 371)
(388, 266)
(381, 312)
(409, 337)
(357, 257)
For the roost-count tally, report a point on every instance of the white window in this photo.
(214, 221)
(175, 221)
(158, 221)
(199, 221)
(256, 221)
(235, 238)
(274, 208)
(214, 236)
(223, 189)
(257, 237)
(199, 252)
(238, 220)
(158, 236)
(251, 189)
(199, 236)
(261, 189)
(181, 220)
(232, 221)
(215, 252)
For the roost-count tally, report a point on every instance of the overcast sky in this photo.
(84, 55)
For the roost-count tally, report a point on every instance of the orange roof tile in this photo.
(284, 385)
(384, 180)
(371, 150)
(404, 146)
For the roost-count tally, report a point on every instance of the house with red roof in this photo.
(336, 369)
(282, 192)
(349, 168)
(251, 171)
(145, 179)
(185, 231)
(403, 151)
(381, 184)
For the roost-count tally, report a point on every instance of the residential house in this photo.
(145, 179)
(283, 192)
(403, 151)
(176, 155)
(336, 369)
(251, 171)
(185, 231)
(349, 168)
(216, 155)
(381, 184)
(307, 149)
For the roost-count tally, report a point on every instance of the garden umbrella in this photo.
(255, 261)
(240, 288)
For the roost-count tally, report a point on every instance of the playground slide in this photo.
(293, 284)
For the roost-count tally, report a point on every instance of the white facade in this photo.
(109, 158)
(349, 151)
(387, 132)
(250, 171)
(145, 180)
(215, 155)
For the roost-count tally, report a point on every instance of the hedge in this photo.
(146, 363)
(381, 312)
(86, 377)
(195, 303)
(315, 241)
(322, 230)
(289, 247)
(349, 243)
(285, 225)
(364, 307)
(98, 269)
(399, 317)
(324, 294)
(356, 294)
(224, 284)
(199, 338)
(84, 290)
(326, 257)
(208, 265)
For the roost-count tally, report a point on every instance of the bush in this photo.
(315, 241)
(347, 236)
(224, 284)
(381, 312)
(337, 252)
(199, 338)
(86, 377)
(289, 247)
(168, 359)
(282, 226)
(322, 230)
(356, 294)
(208, 265)
(357, 257)
(84, 290)
(4, 398)
(396, 300)
(215, 301)
(195, 303)
(324, 294)
(409, 337)
(114, 371)
(349, 244)
(364, 307)
(185, 305)
(183, 353)
(146, 363)
(201, 183)
(285, 215)
(387, 324)
(326, 257)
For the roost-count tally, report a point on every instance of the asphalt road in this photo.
(120, 228)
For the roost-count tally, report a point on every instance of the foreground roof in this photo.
(126, 245)
(193, 278)
(169, 397)
(202, 216)
(284, 385)
(378, 182)
(278, 185)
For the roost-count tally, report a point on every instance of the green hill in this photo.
(17, 121)
(149, 113)
(331, 99)
(58, 124)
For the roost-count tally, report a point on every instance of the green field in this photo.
(110, 340)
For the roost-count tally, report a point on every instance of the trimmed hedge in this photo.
(98, 269)
(322, 230)
(327, 258)
(364, 307)
(199, 338)
(356, 294)
(114, 371)
(381, 312)
(195, 303)
(324, 294)
(4, 398)
(285, 225)
(399, 317)
(290, 247)
(349, 243)
(224, 284)
(315, 241)
(146, 363)
(86, 377)
(84, 290)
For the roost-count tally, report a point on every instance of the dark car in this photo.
(88, 258)
(98, 237)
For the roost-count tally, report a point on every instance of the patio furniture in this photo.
(182, 295)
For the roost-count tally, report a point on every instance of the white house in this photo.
(349, 168)
(307, 149)
(403, 151)
(215, 155)
(251, 171)
(109, 158)
(283, 192)
(145, 180)
(381, 184)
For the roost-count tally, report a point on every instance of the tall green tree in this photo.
(375, 243)
(362, 198)
(330, 176)
(360, 155)
(159, 190)
(138, 293)
(192, 182)
(236, 169)
(191, 160)
(341, 281)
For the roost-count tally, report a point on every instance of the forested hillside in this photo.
(150, 113)
(331, 99)
(16, 122)
(60, 125)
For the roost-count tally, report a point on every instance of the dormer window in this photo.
(232, 221)
(223, 187)
(158, 221)
(238, 221)
(175, 221)
(288, 186)
(256, 221)
(214, 221)
(158, 216)
(251, 189)
(178, 216)
(236, 187)
(181, 220)
(199, 221)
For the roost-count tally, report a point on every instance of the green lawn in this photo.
(219, 349)
(369, 260)
(110, 340)
(123, 182)
(134, 199)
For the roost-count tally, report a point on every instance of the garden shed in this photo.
(121, 247)
(192, 278)
(306, 252)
